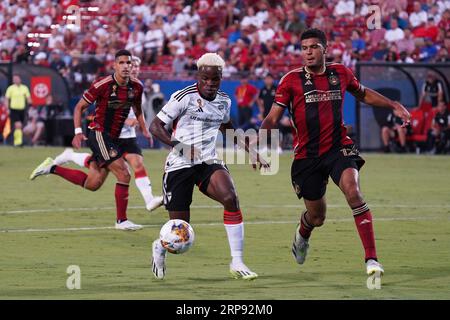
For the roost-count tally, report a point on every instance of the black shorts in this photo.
(178, 185)
(105, 149)
(16, 116)
(310, 176)
(129, 145)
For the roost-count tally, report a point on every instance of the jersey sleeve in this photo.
(172, 109)
(8, 93)
(353, 84)
(283, 93)
(92, 93)
(226, 117)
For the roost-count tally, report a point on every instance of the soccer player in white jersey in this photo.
(131, 152)
(196, 114)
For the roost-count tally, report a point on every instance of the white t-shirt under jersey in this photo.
(195, 121)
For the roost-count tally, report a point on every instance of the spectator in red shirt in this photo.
(246, 95)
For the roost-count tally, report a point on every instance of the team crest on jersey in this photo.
(113, 93)
(113, 153)
(333, 80)
(130, 94)
(199, 101)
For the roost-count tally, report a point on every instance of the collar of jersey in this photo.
(120, 85)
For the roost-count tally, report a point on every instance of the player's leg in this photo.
(82, 159)
(309, 181)
(220, 187)
(120, 169)
(345, 174)
(143, 183)
(386, 137)
(178, 187)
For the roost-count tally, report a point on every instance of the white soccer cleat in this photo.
(373, 266)
(127, 225)
(155, 203)
(158, 260)
(64, 157)
(242, 271)
(299, 247)
(42, 169)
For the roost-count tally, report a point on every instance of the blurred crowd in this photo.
(79, 38)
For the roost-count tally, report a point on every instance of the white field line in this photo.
(262, 206)
(213, 224)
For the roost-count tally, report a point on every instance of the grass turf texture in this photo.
(408, 196)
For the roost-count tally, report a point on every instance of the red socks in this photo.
(121, 194)
(75, 176)
(232, 217)
(305, 227)
(363, 221)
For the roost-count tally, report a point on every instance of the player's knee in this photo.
(317, 221)
(123, 175)
(230, 200)
(353, 195)
(93, 185)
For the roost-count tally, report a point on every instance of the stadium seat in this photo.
(421, 123)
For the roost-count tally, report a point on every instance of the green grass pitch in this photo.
(48, 224)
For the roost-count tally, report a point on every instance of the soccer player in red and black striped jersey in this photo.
(314, 96)
(114, 95)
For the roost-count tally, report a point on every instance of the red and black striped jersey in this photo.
(315, 102)
(113, 103)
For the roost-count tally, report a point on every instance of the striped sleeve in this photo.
(172, 109)
(283, 93)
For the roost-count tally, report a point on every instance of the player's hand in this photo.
(401, 112)
(259, 163)
(131, 122)
(77, 140)
(148, 136)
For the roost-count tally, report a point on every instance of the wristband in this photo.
(78, 131)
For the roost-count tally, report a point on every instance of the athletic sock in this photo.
(235, 232)
(305, 227)
(72, 175)
(121, 194)
(363, 221)
(144, 185)
(18, 137)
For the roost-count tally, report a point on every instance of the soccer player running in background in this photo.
(197, 113)
(114, 96)
(314, 96)
(130, 151)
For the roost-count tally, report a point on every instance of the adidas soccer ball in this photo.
(177, 236)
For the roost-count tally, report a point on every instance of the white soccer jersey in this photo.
(128, 131)
(195, 121)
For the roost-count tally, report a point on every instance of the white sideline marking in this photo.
(211, 224)
(300, 205)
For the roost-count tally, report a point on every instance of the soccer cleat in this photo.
(64, 157)
(242, 271)
(158, 261)
(373, 266)
(299, 247)
(127, 225)
(155, 203)
(42, 169)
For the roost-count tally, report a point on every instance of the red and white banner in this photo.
(41, 87)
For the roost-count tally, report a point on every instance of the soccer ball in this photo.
(177, 236)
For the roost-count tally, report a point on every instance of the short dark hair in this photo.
(123, 52)
(314, 33)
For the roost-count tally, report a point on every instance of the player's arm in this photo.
(247, 144)
(375, 99)
(137, 108)
(274, 116)
(80, 107)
